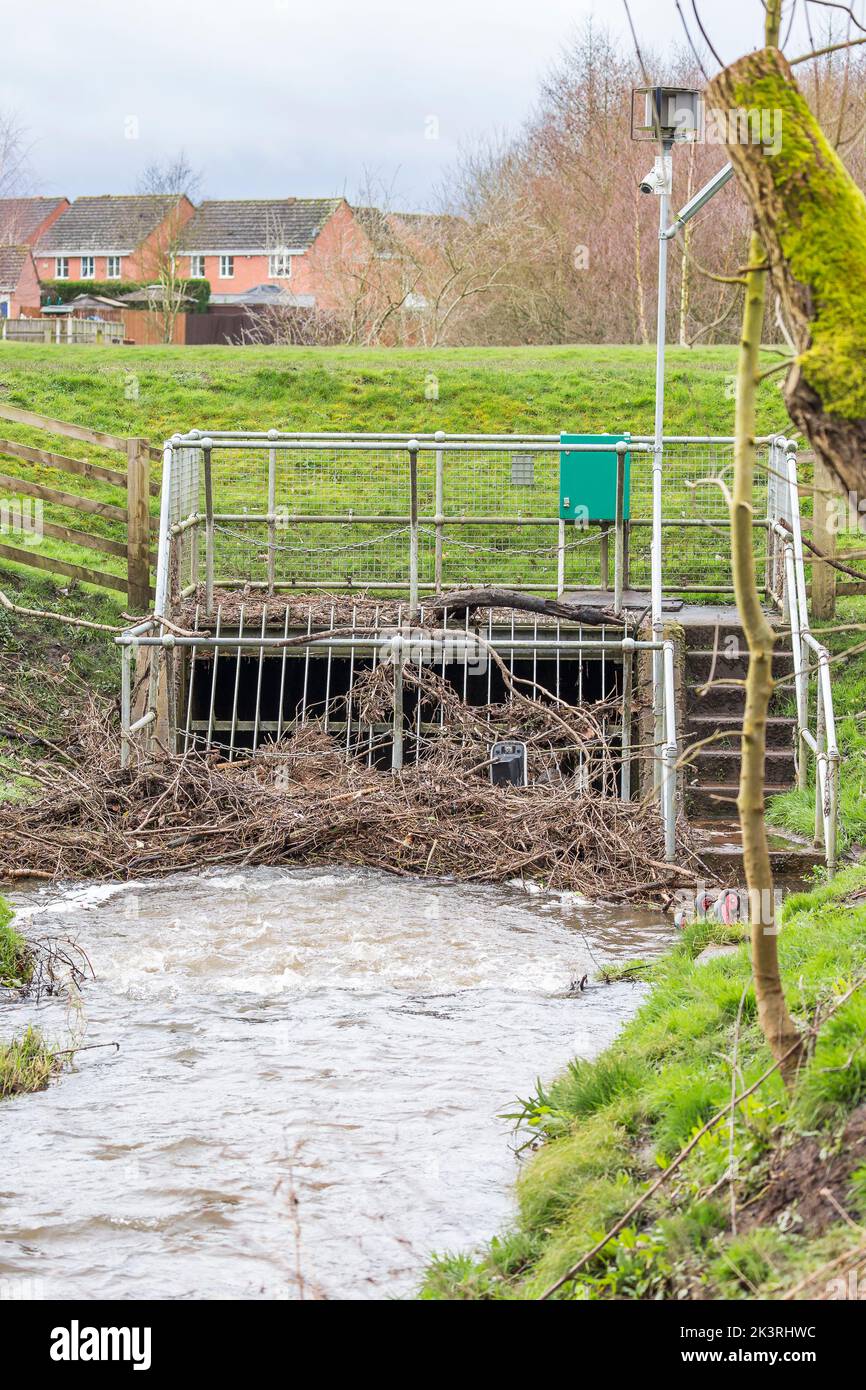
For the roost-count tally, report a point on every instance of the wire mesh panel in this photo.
(332, 513)
(512, 481)
(331, 553)
(185, 483)
(696, 531)
(315, 515)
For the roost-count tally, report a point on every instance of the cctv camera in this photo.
(658, 180)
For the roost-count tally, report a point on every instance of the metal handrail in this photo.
(669, 752)
(809, 655)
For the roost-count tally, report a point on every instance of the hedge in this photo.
(60, 291)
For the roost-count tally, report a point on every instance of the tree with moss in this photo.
(810, 217)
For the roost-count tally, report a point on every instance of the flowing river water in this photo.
(306, 1099)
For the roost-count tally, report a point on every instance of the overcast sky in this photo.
(278, 97)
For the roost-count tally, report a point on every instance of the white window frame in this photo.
(227, 267)
(280, 265)
(91, 273)
(61, 267)
(196, 267)
(111, 274)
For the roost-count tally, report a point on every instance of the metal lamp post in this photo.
(671, 115)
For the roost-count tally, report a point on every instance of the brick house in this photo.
(19, 283)
(292, 242)
(23, 220)
(112, 237)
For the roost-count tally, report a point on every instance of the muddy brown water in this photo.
(311, 1074)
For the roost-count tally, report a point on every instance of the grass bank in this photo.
(152, 392)
(606, 1130)
(48, 672)
(796, 810)
(26, 1063)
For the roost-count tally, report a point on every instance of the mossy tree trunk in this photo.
(811, 218)
(778, 1026)
(776, 1022)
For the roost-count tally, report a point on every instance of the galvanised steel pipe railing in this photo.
(669, 751)
(809, 656)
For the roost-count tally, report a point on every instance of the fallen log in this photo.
(467, 600)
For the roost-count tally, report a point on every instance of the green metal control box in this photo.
(587, 482)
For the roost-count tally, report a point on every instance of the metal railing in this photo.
(273, 512)
(335, 511)
(816, 741)
(553, 656)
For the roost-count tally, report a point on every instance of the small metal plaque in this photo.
(522, 470)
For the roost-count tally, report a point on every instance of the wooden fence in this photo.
(145, 328)
(61, 329)
(135, 516)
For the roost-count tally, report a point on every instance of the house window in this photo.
(227, 267)
(61, 268)
(87, 267)
(196, 266)
(279, 265)
(112, 267)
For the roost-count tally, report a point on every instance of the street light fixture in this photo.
(671, 115)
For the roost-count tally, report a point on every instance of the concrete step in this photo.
(716, 765)
(719, 845)
(701, 665)
(726, 698)
(712, 801)
(790, 862)
(728, 728)
(702, 636)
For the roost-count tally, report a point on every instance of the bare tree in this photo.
(179, 182)
(166, 285)
(284, 323)
(15, 174)
(174, 175)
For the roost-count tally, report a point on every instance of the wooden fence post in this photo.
(138, 525)
(824, 537)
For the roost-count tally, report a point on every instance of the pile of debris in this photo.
(303, 801)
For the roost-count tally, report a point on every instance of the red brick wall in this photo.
(248, 272)
(26, 291)
(46, 265)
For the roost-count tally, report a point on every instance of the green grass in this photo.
(15, 967)
(607, 1128)
(49, 670)
(796, 810)
(153, 392)
(26, 1064)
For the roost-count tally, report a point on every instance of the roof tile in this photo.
(257, 224)
(113, 223)
(12, 259)
(21, 217)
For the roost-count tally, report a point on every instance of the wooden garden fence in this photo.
(135, 516)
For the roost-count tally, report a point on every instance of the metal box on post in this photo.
(508, 766)
(587, 481)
